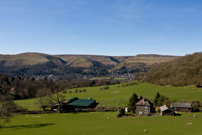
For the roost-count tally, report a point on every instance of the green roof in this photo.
(73, 99)
(82, 102)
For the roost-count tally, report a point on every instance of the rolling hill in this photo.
(39, 63)
(182, 71)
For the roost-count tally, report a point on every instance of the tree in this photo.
(57, 96)
(195, 105)
(156, 99)
(166, 102)
(140, 98)
(44, 99)
(7, 106)
(161, 100)
(132, 102)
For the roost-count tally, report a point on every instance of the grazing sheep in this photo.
(145, 130)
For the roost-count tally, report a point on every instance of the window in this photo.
(145, 107)
(145, 111)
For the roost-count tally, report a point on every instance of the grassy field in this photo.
(97, 123)
(117, 93)
(119, 78)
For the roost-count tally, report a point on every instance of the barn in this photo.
(75, 104)
(181, 107)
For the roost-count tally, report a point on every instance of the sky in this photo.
(101, 27)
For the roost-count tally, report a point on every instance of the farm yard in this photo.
(97, 123)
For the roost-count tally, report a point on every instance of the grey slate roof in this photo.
(181, 105)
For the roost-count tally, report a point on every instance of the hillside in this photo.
(182, 71)
(143, 62)
(41, 64)
(26, 59)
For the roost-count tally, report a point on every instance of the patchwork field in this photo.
(97, 123)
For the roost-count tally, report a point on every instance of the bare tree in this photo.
(44, 99)
(7, 106)
(57, 96)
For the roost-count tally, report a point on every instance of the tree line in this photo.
(25, 87)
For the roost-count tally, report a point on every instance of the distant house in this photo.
(166, 110)
(144, 106)
(75, 104)
(181, 107)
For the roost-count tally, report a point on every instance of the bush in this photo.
(106, 87)
(122, 111)
(157, 110)
(198, 85)
(119, 115)
(64, 92)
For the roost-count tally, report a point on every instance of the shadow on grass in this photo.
(29, 126)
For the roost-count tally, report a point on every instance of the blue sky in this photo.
(101, 27)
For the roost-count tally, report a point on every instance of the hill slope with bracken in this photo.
(182, 71)
(39, 63)
(143, 61)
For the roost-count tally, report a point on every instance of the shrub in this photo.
(64, 92)
(106, 87)
(119, 115)
(157, 110)
(198, 85)
(122, 111)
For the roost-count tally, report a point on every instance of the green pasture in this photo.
(101, 78)
(119, 78)
(97, 123)
(117, 93)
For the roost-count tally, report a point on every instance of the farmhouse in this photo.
(166, 110)
(181, 107)
(75, 104)
(144, 106)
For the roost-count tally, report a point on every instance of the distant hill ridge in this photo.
(59, 64)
